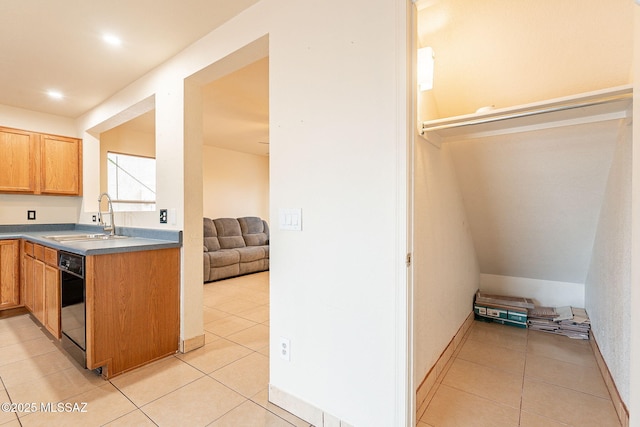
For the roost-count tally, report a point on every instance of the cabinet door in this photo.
(17, 161)
(52, 300)
(38, 290)
(9, 273)
(28, 282)
(61, 165)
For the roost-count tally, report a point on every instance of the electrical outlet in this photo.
(31, 215)
(94, 218)
(163, 216)
(285, 349)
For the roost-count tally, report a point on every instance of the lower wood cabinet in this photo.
(133, 309)
(41, 285)
(28, 284)
(38, 290)
(9, 274)
(132, 304)
(51, 308)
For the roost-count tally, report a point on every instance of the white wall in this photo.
(634, 298)
(338, 151)
(49, 209)
(446, 274)
(533, 198)
(548, 293)
(338, 120)
(234, 184)
(608, 283)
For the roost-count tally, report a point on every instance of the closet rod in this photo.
(527, 113)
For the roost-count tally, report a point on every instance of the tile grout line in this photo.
(10, 400)
(524, 370)
(138, 408)
(270, 411)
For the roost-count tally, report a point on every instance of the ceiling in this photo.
(57, 45)
(505, 53)
(497, 52)
(235, 111)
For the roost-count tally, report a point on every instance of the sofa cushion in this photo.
(229, 233)
(254, 231)
(251, 253)
(206, 267)
(211, 242)
(223, 258)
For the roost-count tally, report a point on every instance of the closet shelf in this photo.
(608, 104)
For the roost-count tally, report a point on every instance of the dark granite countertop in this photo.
(138, 239)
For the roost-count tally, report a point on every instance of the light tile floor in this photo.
(505, 376)
(223, 383)
(499, 376)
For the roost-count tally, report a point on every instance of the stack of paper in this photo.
(506, 310)
(568, 321)
(482, 298)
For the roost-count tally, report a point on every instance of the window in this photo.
(131, 182)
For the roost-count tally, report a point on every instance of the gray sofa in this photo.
(233, 247)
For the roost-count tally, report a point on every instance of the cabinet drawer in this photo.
(28, 248)
(51, 257)
(38, 252)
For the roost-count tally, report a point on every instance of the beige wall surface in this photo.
(234, 184)
(49, 209)
(506, 53)
(608, 283)
(124, 141)
(446, 273)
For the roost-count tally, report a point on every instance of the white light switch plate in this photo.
(290, 219)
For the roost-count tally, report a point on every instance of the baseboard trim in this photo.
(303, 410)
(191, 344)
(426, 389)
(618, 404)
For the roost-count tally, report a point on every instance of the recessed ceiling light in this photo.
(112, 40)
(55, 94)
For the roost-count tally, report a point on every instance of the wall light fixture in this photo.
(425, 68)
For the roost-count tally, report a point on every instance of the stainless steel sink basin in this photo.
(68, 238)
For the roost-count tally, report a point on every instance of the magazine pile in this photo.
(571, 322)
(521, 312)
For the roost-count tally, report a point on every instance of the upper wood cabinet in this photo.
(60, 165)
(33, 163)
(18, 159)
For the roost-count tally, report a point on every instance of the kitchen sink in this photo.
(68, 238)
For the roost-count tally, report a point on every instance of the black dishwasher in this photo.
(72, 313)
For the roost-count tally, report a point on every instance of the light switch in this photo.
(290, 219)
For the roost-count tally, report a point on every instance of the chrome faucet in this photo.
(111, 227)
